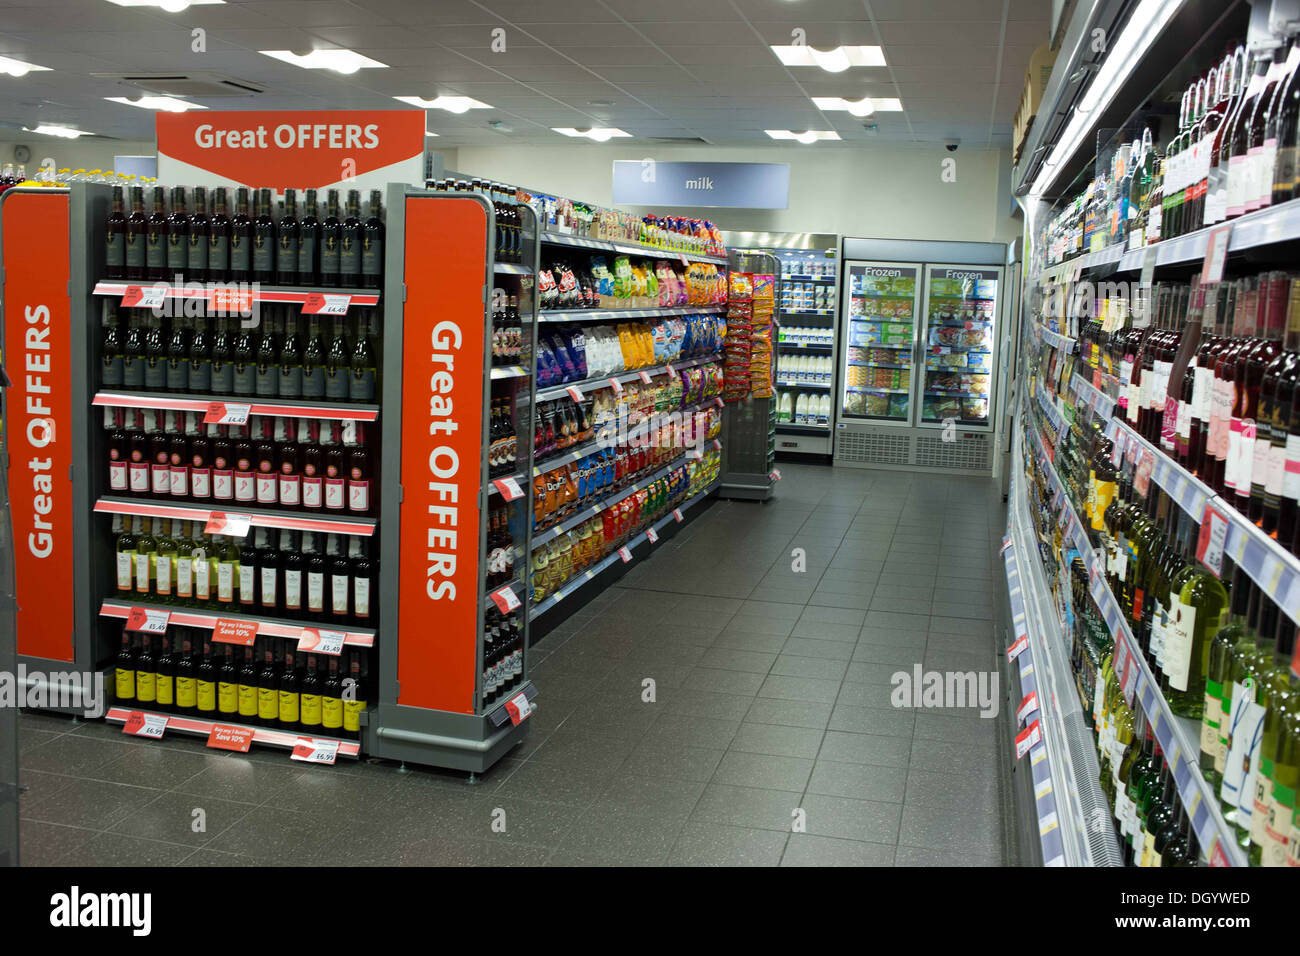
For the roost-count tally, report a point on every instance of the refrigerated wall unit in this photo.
(920, 324)
(807, 321)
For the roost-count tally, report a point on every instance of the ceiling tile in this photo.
(680, 13)
(918, 33)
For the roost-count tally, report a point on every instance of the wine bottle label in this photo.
(227, 697)
(293, 590)
(245, 486)
(290, 381)
(1244, 472)
(115, 250)
(289, 487)
(313, 382)
(335, 494)
(163, 576)
(179, 476)
(306, 255)
(125, 561)
(268, 707)
(1211, 716)
(184, 577)
(146, 687)
(155, 252)
(266, 488)
(329, 256)
(124, 684)
(138, 472)
(218, 255)
(331, 713)
(266, 379)
(201, 482)
(336, 382)
(222, 378)
(226, 582)
(315, 591)
(143, 564)
(1250, 178)
(243, 377)
(1241, 726)
(1274, 470)
(1232, 461)
(1291, 469)
(202, 579)
(352, 715)
(223, 485)
(178, 375)
(241, 259)
(361, 384)
(311, 710)
(359, 495)
(288, 702)
(1160, 619)
(1277, 849)
(1259, 812)
(165, 690)
(372, 256)
(350, 256)
(186, 692)
(247, 701)
(339, 593)
(111, 372)
(247, 584)
(268, 587)
(263, 252)
(177, 253)
(206, 695)
(196, 258)
(361, 597)
(1183, 421)
(312, 492)
(160, 479)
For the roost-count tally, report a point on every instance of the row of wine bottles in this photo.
(1212, 382)
(303, 576)
(272, 461)
(296, 249)
(270, 684)
(278, 354)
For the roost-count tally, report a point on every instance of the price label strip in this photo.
(518, 708)
(139, 724)
(509, 488)
(1028, 739)
(321, 641)
(226, 413)
(314, 750)
(236, 525)
(147, 620)
(505, 599)
(140, 297)
(326, 303)
(228, 631)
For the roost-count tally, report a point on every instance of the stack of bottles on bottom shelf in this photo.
(557, 561)
(503, 656)
(269, 684)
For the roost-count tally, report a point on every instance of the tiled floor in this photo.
(770, 633)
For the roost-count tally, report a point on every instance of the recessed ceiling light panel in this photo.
(598, 133)
(64, 132)
(452, 104)
(863, 107)
(18, 67)
(340, 61)
(167, 104)
(807, 137)
(835, 60)
(171, 6)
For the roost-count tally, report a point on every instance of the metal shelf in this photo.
(258, 517)
(266, 626)
(608, 315)
(590, 511)
(291, 408)
(556, 391)
(232, 295)
(540, 467)
(511, 269)
(197, 727)
(627, 248)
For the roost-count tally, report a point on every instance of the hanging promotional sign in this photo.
(298, 149)
(647, 182)
(38, 421)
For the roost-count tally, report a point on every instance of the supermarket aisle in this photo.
(771, 688)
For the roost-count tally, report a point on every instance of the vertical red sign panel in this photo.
(38, 419)
(442, 443)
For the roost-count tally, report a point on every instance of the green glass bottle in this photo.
(1244, 672)
(1220, 648)
(1284, 838)
(165, 563)
(146, 548)
(1197, 614)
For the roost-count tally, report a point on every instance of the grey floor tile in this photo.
(683, 730)
(839, 651)
(712, 844)
(182, 818)
(954, 790)
(274, 836)
(667, 796)
(870, 821)
(792, 664)
(953, 757)
(791, 713)
(754, 662)
(719, 680)
(763, 771)
(858, 781)
(833, 615)
(94, 804)
(938, 828)
(631, 835)
(987, 855)
(826, 631)
(759, 624)
(778, 740)
(975, 730)
(800, 688)
(806, 849)
(701, 702)
(117, 849)
(46, 844)
(748, 807)
(882, 721)
(873, 749)
(556, 783)
(748, 641)
(687, 763)
(75, 754)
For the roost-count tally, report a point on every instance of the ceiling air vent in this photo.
(192, 85)
(677, 140)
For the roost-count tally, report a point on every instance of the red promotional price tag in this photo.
(1027, 706)
(231, 301)
(774, 475)
(1018, 648)
(645, 377)
(616, 385)
(671, 371)
(243, 633)
(509, 488)
(226, 413)
(1213, 538)
(719, 402)
(147, 621)
(1216, 251)
(219, 522)
(312, 750)
(326, 303)
(1096, 378)
(651, 535)
(625, 554)
(145, 725)
(575, 393)
(677, 515)
(1217, 856)
(138, 297)
(320, 641)
(225, 737)
(505, 599)
(1028, 739)
(518, 707)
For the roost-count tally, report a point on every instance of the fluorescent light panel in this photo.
(340, 61)
(1141, 30)
(599, 133)
(66, 132)
(171, 6)
(167, 104)
(452, 104)
(18, 67)
(835, 60)
(807, 137)
(863, 107)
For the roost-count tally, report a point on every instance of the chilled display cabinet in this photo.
(919, 330)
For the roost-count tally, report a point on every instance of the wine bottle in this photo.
(268, 687)
(227, 685)
(241, 239)
(178, 225)
(136, 237)
(288, 236)
(264, 240)
(331, 241)
(289, 694)
(196, 237)
(309, 230)
(124, 670)
(205, 683)
(187, 691)
(247, 688)
(155, 248)
(372, 244)
(115, 238)
(218, 238)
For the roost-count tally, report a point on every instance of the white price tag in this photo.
(505, 599)
(219, 522)
(1216, 251)
(671, 371)
(616, 385)
(509, 488)
(677, 515)
(331, 303)
(575, 393)
(140, 724)
(625, 554)
(313, 750)
(651, 535)
(645, 377)
(1214, 535)
(226, 413)
(317, 640)
(147, 621)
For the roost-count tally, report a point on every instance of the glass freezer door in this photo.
(961, 309)
(880, 308)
